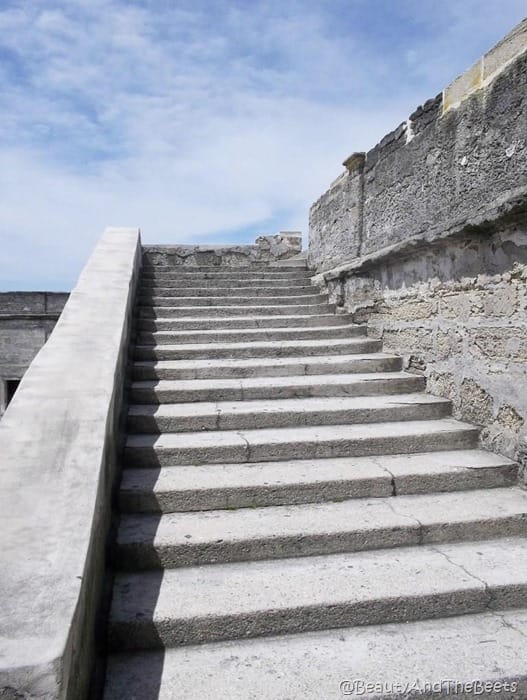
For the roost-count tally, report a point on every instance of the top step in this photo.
(259, 268)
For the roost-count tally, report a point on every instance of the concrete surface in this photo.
(436, 657)
(248, 599)
(249, 534)
(269, 444)
(212, 487)
(58, 440)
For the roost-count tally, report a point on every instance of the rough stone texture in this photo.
(26, 321)
(442, 268)
(58, 441)
(335, 223)
(458, 315)
(279, 246)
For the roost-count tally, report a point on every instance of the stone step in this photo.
(217, 486)
(281, 413)
(246, 300)
(248, 291)
(267, 367)
(313, 442)
(250, 534)
(226, 279)
(244, 335)
(200, 283)
(389, 660)
(256, 268)
(228, 601)
(179, 391)
(219, 312)
(275, 348)
(190, 323)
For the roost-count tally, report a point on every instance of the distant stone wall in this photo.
(26, 321)
(266, 250)
(430, 231)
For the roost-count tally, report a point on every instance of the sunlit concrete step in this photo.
(228, 278)
(185, 323)
(180, 391)
(280, 413)
(148, 283)
(249, 599)
(276, 348)
(245, 300)
(222, 311)
(426, 656)
(217, 486)
(250, 534)
(244, 335)
(267, 367)
(257, 268)
(249, 290)
(313, 442)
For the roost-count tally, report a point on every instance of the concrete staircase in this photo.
(296, 513)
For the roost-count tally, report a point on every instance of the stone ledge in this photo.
(505, 212)
(58, 441)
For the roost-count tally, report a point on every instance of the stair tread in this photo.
(255, 331)
(310, 434)
(488, 646)
(422, 514)
(303, 404)
(274, 361)
(491, 573)
(280, 381)
(314, 343)
(402, 469)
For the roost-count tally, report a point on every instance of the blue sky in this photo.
(203, 121)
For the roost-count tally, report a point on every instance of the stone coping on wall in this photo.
(487, 67)
(58, 441)
(513, 210)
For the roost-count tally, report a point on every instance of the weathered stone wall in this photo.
(266, 250)
(26, 321)
(436, 266)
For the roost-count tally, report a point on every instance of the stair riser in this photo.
(214, 292)
(246, 300)
(134, 501)
(182, 631)
(317, 448)
(164, 324)
(247, 336)
(143, 352)
(143, 556)
(220, 312)
(388, 386)
(154, 372)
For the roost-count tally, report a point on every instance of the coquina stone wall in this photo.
(424, 238)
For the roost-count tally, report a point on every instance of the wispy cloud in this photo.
(206, 120)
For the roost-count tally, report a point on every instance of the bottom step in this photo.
(438, 657)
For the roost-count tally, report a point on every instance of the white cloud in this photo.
(201, 118)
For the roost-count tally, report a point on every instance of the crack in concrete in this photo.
(390, 474)
(488, 590)
(412, 518)
(248, 445)
(506, 623)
